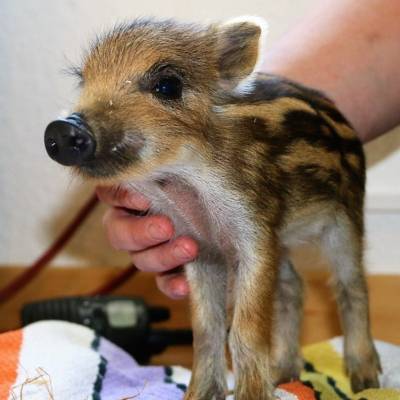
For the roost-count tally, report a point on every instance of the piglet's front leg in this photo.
(208, 296)
(250, 335)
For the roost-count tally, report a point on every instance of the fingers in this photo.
(147, 239)
(173, 284)
(130, 233)
(116, 196)
(166, 256)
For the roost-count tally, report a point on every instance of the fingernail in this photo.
(182, 252)
(157, 232)
(180, 290)
(137, 201)
(178, 286)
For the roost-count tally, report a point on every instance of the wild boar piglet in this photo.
(250, 165)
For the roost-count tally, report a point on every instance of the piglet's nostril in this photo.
(51, 146)
(69, 141)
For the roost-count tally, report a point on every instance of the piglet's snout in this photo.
(70, 141)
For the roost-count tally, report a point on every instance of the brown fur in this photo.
(265, 168)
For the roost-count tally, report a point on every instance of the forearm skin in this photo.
(349, 49)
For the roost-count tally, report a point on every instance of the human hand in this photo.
(147, 239)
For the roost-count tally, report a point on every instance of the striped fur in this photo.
(249, 171)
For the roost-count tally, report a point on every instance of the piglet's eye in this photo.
(169, 88)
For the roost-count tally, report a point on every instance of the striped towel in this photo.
(55, 360)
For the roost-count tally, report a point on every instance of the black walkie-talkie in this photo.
(124, 321)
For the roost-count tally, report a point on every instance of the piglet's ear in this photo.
(238, 47)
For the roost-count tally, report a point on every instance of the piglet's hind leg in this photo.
(288, 311)
(343, 246)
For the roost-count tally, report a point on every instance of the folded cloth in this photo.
(63, 361)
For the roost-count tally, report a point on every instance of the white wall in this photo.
(38, 197)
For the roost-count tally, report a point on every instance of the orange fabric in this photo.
(10, 345)
(303, 392)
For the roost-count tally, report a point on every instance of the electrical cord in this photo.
(116, 282)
